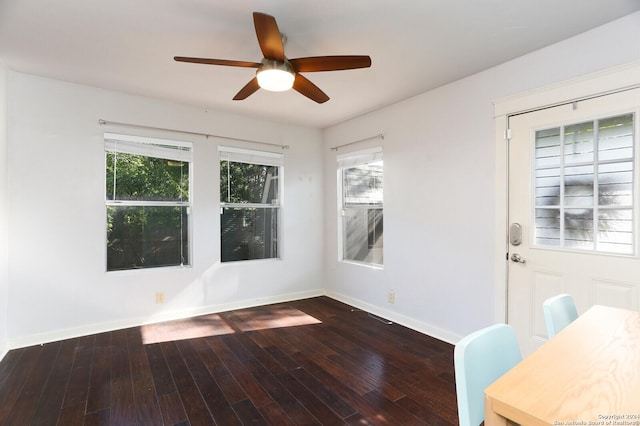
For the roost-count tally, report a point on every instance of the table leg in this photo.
(490, 417)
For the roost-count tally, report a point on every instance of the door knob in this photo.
(515, 257)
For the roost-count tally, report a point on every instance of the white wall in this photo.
(4, 202)
(439, 165)
(58, 286)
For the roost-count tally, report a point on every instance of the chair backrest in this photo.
(559, 312)
(480, 359)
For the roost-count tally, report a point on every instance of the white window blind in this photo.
(250, 156)
(149, 147)
(360, 157)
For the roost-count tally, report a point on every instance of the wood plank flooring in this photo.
(309, 362)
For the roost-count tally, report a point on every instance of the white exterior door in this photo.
(573, 191)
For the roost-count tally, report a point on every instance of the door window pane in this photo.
(578, 143)
(548, 187)
(615, 138)
(615, 230)
(547, 224)
(578, 228)
(548, 145)
(578, 186)
(615, 184)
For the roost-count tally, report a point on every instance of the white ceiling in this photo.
(415, 45)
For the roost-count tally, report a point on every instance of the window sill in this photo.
(149, 270)
(374, 266)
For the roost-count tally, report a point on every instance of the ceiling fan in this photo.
(278, 73)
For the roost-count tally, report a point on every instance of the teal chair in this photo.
(480, 359)
(559, 312)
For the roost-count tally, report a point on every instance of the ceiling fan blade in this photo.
(217, 62)
(304, 86)
(330, 63)
(249, 89)
(269, 37)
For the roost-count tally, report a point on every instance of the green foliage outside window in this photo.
(150, 234)
(138, 177)
(247, 183)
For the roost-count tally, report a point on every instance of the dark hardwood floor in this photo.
(310, 362)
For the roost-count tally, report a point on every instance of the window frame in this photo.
(147, 146)
(260, 158)
(345, 161)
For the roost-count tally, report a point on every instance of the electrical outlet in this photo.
(159, 297)
(391, 296)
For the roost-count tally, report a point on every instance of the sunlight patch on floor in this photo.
(216, 325)
(272, 318)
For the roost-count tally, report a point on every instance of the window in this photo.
(360, 181)
(148, 201)
(584, 185)
(250, 197)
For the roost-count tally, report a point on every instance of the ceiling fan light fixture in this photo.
(275, 76)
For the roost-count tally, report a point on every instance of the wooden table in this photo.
(589, 372)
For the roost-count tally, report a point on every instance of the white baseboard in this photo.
(403, 320)
(69, 333)
(4, 349)
(57, 335)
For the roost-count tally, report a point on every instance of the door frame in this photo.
(605, 82)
